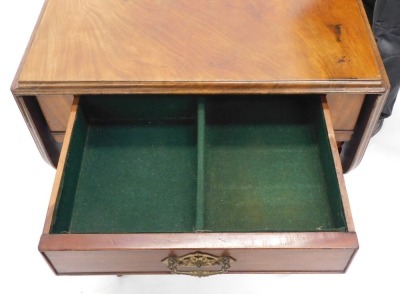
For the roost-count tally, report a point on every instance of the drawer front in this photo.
(247, 261)
(261, 252)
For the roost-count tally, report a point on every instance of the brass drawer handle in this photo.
(198, 260)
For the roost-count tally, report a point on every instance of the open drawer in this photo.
(198, 185)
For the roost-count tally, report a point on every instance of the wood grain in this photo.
(338, 166)
(248, 261)
(56, 110)
(60, 167)
(342, 136)
(254, 252)
(344, 110)
(160, 45)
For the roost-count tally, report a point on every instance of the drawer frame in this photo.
(253, 252)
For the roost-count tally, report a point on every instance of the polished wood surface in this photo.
(254, 252)
(343, 136)
(60, 167)
(344, 110)
(201, 46)
(338, 166)
(56, 110)
(121, 262)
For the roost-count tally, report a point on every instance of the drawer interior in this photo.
(184, 163)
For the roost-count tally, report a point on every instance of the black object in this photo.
(384, 17)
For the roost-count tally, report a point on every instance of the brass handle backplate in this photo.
(198, 260)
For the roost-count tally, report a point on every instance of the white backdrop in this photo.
(26, 182)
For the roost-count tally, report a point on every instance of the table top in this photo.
(192, 46)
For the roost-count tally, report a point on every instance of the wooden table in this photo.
(202, 48)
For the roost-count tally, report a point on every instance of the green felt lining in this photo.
(201, 120)
(164, 163)
(264, 170)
